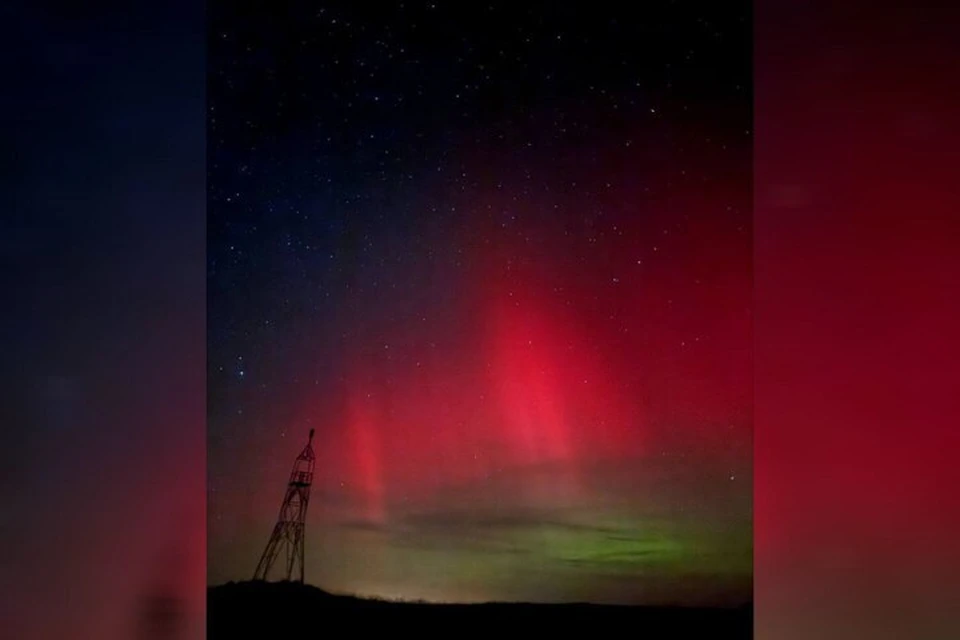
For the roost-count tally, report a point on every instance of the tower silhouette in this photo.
(287, 538)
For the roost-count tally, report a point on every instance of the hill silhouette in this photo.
(271, 610)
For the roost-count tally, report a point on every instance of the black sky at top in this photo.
(328, 123)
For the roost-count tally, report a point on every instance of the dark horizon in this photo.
(308, 586)
(244, 608)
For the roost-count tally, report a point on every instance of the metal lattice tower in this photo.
(287, 538)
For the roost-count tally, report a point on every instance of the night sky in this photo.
(500, 259)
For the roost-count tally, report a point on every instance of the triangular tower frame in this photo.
(287, 540)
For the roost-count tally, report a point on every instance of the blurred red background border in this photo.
(857, 235)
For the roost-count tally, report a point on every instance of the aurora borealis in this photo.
(500, 260)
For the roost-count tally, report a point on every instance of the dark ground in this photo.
(275, 610)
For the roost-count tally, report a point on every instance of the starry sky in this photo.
(499, 257)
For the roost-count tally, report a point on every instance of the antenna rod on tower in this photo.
(288, 533)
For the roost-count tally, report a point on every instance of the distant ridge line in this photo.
(309, 590)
